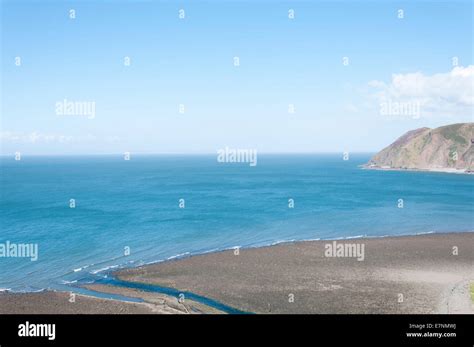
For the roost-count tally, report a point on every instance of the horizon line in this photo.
(173, 153)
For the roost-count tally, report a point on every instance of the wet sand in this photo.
(408, 274)
(50, 302)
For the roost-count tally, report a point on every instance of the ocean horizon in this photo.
(154, 208)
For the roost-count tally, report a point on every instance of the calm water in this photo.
(135, 204)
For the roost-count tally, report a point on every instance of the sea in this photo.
(90, 215)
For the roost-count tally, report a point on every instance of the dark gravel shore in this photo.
(408, 274)
(419, 271)
(50, 302)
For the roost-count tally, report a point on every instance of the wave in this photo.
(68, 282)
(82, 268)
(425, 233)
(216, 250)
(355, 237)
(281, 241)
(178, 256)
(25, 290)
(95, 272)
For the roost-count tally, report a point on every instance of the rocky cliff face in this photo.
(449, 147)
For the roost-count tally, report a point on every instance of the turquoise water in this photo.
(135, 204)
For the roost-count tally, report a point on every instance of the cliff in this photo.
(447, 148)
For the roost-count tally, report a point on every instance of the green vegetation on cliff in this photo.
(446, 147)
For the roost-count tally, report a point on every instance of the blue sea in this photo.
(135, 205)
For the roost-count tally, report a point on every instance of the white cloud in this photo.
(448, 94)
(36, 137)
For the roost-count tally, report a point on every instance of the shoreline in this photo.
(157, 273)
(259, 279)
(110, 270)
(434, 170)
(119, 267)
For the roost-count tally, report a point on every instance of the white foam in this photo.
(282, 241)
(68, 282)
(104, 269)
(425, 232)
(178, 255)
(355, 237)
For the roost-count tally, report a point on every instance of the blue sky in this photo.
(190, 61)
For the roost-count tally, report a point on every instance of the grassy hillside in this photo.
(446, 147)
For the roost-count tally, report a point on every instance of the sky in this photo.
(339, 76)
